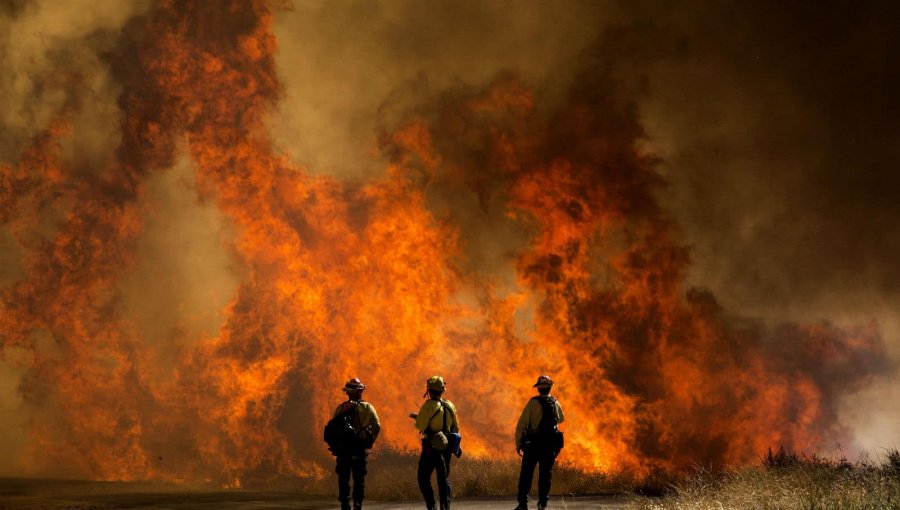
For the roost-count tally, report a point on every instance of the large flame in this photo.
(373, 280)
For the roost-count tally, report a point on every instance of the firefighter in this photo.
(538, 442)
(436, 420)
(351, 455)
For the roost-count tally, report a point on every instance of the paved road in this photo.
(181, 502)
(560, 503)
(266, 501)
(24, 494)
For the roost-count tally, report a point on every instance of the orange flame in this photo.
(367, 280)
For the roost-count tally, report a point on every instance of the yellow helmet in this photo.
(435, 383)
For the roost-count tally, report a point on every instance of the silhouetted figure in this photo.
(350, 433)
(439, 426)
(538, 441)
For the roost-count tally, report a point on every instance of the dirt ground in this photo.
(22, 494)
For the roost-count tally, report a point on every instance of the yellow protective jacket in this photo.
(431, 416)
(531, 418)
(365, 413)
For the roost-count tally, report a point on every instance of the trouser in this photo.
(544, 459)
(432, 460)
(351, 463)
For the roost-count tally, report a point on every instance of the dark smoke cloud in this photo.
(53, 64)
(782, 122)
(779, 126)
(340, 61)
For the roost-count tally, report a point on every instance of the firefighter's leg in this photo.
(545, 476)
(359, 479)
(343, 469)
(443, 479)
(526, 474)
(426, 467)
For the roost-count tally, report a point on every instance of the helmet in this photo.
(354, 385)
(543, 381)
(435, 383)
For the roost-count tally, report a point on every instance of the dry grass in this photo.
(786, 481)
(392, 477)
(782, 481)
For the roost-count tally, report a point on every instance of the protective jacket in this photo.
(531, 419)
(431, 416)
(365, 414)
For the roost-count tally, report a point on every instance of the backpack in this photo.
(547, 434)
(443, 439)
(340, 432)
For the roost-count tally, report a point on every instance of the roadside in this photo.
(30, 494)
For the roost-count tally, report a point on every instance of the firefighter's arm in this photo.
(374, 423)
(522, 425)
(559, 413)
(454, 423)
(423, 417)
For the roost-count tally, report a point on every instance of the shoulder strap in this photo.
(450, 410)
(346, 408)
(440, 406)
(352, 408)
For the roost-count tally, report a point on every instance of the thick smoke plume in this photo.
(514, 229)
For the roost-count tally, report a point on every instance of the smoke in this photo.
(777, 126)
(562, 182)
(184, 277)
(791, 125)
(340, 62)
(52, 65)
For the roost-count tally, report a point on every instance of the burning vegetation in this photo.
(380, 279)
